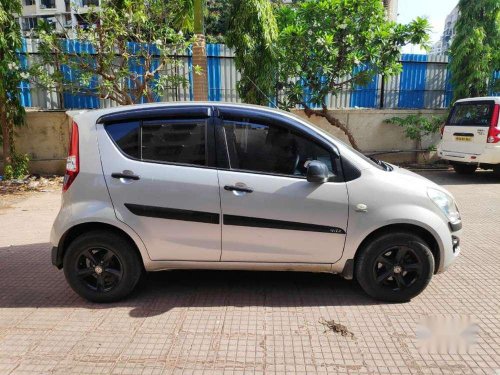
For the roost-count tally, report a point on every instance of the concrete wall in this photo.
(46, 134)
(372, 134)
(45, 139)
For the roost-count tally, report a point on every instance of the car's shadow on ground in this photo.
(28, 279)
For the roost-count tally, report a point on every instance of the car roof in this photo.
(105, 111)
(496, 99)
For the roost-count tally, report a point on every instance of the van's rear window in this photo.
(472, 113)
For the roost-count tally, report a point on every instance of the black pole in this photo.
(382, 92)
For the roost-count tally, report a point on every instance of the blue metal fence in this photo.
(423, 83)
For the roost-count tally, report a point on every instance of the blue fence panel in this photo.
(190, 69)
(412, 82)
(448, 93)
(24, 86)
(79, 100)
(364, 96)
(214, 72)
(495, 80)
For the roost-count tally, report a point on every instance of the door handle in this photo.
(128, 176)
(238, 188)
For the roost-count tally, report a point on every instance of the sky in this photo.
(434, 10)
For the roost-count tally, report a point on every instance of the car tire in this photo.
(395, 267)
(102, 266)
(464, 168)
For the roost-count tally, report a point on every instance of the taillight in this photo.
(494, 132)
(73, 160)
(442, 130)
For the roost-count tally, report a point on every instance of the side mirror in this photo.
(317, 172)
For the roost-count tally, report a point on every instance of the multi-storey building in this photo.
(392, 9)
(62, 14)
(443, 45)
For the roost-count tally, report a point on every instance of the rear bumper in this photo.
(490, 155)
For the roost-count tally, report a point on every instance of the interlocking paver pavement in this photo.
(199, 322)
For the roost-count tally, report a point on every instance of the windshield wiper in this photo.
(384, 165)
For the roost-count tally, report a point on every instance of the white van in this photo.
(471, 135)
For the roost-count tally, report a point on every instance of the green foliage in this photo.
(252, 33)
(19, 167)
(105, 67)
(11, 74)
(475, 52)
(417, 126)
(333, 44)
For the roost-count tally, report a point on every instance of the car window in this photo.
(271, 149)
(175, 142)
(168, 141)
(126, 137)
(471, 114)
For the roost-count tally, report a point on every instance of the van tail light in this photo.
(73, 160)
(494, 132)
(442, 131)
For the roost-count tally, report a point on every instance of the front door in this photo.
(163, 184)
(271, 213)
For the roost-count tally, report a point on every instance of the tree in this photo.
(475, 51)
(190, 17)
(326, 46)
(252, 33)
(329, 45)
(127, 55)
(11, 111)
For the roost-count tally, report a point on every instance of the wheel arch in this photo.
(72, 233)
(427, 236)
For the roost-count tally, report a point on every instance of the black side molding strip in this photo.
(173, 213)
(244, 221)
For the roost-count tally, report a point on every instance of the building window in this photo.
(29, 2)
(29, 23)
(47, 4)
(88, 3)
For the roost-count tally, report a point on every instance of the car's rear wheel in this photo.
(395, 267)
(465, 168)
(102, 266)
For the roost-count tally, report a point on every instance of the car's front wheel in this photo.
(395, 267)
(102, 266)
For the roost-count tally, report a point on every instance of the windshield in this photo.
(476, 113)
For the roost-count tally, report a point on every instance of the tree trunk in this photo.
(335, 122)
(200, 86)
(7, 160)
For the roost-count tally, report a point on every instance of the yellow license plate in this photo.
(463, 139)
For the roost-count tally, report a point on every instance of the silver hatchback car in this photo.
(238, 187)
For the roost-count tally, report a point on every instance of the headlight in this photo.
(446, 204)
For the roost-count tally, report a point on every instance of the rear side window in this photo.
(126, 137)
(168, 141)
(472, 113)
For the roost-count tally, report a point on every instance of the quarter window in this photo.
(271, 149)
(169, 141)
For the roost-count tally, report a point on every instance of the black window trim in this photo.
(268, 118)
(166, 114)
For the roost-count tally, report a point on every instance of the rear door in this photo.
(466, 130)
(160, 173)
